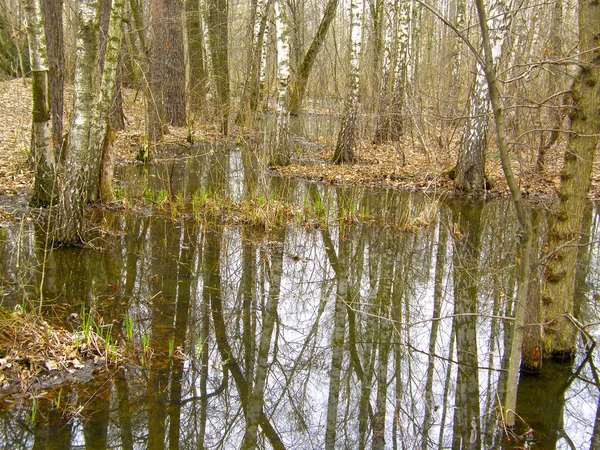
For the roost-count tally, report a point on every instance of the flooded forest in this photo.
(299, 224)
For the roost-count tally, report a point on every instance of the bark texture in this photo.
(53, 24)
(299, 89)
(560, 334)
(470, 168)
(44, 189)
(77, 170)
(218, 40)
(344, 149)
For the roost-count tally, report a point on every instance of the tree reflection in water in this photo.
(359, 334)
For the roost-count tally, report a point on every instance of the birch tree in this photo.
(470, 168)
(344, 149)
(44, 189)
(74, 193)
(395, 62)
(90, 120)
(254, 79)
(280, 154)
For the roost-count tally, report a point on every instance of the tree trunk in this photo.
(280, 153)
(491, 51)
(465, 263)
(218, 42)
(560, 334)
(252, 86)
(77, 171)
(256, 401)
(344, 149)
(299, 88)
(470, 168)
(44, 189)
(53, 24)
(392, 93)
(173, 59)
(100, 141)
(195, 55)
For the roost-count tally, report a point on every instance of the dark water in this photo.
(389, 331)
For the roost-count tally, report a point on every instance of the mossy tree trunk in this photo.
(560, 334)
(299, 88)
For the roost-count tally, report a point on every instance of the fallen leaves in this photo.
(32, 348)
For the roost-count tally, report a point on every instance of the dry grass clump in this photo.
(32, 349)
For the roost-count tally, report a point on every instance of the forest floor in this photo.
(417, 163)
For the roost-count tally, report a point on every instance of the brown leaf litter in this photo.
(36, 355)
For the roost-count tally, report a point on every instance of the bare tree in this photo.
(344, 149)
(45, 164)
(559, 276)
(470, 168)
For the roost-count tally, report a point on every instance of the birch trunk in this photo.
(77, 171)
(100, 139)
(44, 189)
(280, 153)
(252, 86)
(344, 149)
(470, 168)
(392, 93)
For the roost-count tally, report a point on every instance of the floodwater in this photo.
(389, 328)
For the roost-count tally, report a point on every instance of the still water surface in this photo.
(389, 330)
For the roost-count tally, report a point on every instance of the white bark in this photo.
(345, 144)
(470, 173)
(41, 145)
(74, 192)
(107, 91)
(281, 154)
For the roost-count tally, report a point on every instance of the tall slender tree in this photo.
(470, 168)
(90, 120)
(301, 82)
(53, 24)
(253, 81)
(219, 53)
(44, 190)
(344, 149)
(395, 63)
(280, 154)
